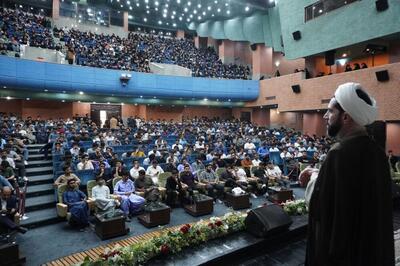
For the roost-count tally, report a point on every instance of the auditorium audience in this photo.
(8, 212)
(77, 205)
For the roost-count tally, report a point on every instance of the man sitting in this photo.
(275, 174)
(174, 189)
(211, 181)
(68, 175)
(101, 194)
(134, 172)
(85, 163)
(9, 210)
(145, 184)
(77, 206)
(130, 202)
(153, 171)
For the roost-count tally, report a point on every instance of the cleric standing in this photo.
(350, 212)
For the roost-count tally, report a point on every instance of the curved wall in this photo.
(33, 75)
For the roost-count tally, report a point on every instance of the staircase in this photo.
(40, 205)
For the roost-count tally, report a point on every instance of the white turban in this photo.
(361, 112)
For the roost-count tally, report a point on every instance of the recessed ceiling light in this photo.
(46, 90)
(81, 92)
(247, 8)
(63, 101)
(145, 19)
(160, 22)
(141, 96)
(28, 99)
(228, 12)
(199, 5)
(8, 98)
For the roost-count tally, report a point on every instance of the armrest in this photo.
(140, 193)
(91, 203)
(62, 210)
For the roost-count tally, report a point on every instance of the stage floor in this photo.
(48, 243)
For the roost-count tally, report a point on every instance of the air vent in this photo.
(270, 98)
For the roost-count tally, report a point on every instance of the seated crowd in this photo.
(146, 161)
(18, 27)
(111, 51)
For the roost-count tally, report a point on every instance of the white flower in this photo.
(299, 210)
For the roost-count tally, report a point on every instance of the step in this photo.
(35, 146)
(40, 202)
(41, 218)
(34, 151)
(41, 179)
(45, 170)
(39, 163)
(38, 157)
(39, 190)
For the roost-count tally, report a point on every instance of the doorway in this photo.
(101, 113)
(245, 116)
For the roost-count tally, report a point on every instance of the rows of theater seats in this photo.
(113, 52)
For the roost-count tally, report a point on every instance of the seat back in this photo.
(162, 178)
(89, 186)
(85, 176)
(60, 190)
(219, 171)
(115, 180)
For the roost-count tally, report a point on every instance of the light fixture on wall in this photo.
(277, 64)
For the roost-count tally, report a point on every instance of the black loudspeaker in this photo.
(267, 220)
(253, 47)
(330, 58)
(296, 88)
(381, 5)
(382, 75)
(296, 35)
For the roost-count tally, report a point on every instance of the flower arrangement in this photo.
(171, 242)
(297, 207)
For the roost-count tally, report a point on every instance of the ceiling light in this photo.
(172, 17)
(8, 98)
(344, 55)
(63, 101)
(156, 9)
(108, 102)
(247, 8)
(204, 13)
(228, 12)
(199, 17)
(189, 3)
(199, 5)
(174, 24)
(216, 1)
(180, 18)
(122, 103)
(195, 11)
(46, 90)
(148, 12)
(159, 22)
(191, 16)
(130, 17)
(145, 19)
(141, 96)
(219, 10)
(165, 10)
(156, 3)
(81, 92)
(178, 1)
(28, 99)
(188, 19)
(174, 12)
(209, 7)
(137, 4)
(205, 99)
(164, 15)
(146, 1)
(185, 9)
(226, 4)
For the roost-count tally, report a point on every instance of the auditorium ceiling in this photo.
(167, 14)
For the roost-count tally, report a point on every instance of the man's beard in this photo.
(333, 129)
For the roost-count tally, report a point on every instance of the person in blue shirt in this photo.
(263, 151)
(77, 206)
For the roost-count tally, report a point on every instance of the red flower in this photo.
(218, 223)
(164, 249)
(188, 226)
(184, 229)
(211, 225)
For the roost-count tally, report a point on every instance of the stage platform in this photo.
(222, 251)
